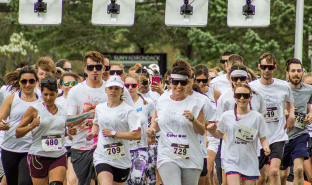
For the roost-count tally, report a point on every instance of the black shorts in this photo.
(68, 148)
(120, 175)
(277, 151)
(263, 159)
(310, 146)
(205, 170)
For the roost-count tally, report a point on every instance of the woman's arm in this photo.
(29, 122)
(199, 123)
(154, 128)
(212, 129)
(94, 131)
(134, 135)
(265, 145)
(5, 111)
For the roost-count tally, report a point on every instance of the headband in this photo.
(239, 72)
(178, 76)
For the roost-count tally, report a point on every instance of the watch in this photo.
(113, 133)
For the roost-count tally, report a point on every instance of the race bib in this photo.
(299, 120)
(245, 133)
(134, 142)
(51, 143)
(114, 151)
(179, 151)
(272, 114)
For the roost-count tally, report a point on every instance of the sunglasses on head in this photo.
(107, 68)
(264, 67)
(67, 69)
(118, 72)
(67, 83)
(97, 67)
(202, 80)
(241, 78)
(223, 61)
(127, 85)
(244, 95)
(31, 81)
(176, 82)
(48, 80)
(144, 82)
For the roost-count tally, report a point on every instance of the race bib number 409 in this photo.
(179, 151)
(114, 151)
(51, 142)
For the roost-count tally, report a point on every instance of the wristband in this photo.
(193, 119)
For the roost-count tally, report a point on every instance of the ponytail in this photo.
(145, 102)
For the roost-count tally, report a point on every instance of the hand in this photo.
(188, 115)
(4, 126)
(151, 133)
(35, 123)
(308, 118)
(70, 137)
(72, 130)
(107, 133)
(89, 136)
(151, 141)
(157, 87)
(267, 150)
(211, 127)
(290, 124)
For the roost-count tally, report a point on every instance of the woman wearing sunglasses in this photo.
(116, 123)
(243, 127)
(138, 148)
(180, 119)
(14, 150)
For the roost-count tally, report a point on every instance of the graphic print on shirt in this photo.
(172, 118)
(272, 104)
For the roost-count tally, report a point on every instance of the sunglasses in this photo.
(118, 72)
(67, 83)
(167, 82)
(48, 80)
(244, 95)
(67, 69)
(241, 78)
(107, 68)
(97, 67)
(31, 81)
(223, 61)
(144, 82)
(264, 67)
(176, 82)
(127, 85)
(204, 81)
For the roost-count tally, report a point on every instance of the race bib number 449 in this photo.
(299, 120)
(179, 151)
(114, 151)
(272, 114)
(51, 142)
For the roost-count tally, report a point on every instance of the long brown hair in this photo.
(250, 91)
(12, 79)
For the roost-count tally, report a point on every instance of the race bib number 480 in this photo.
(51, 142)
(114, 151)
(272, 114)
(179, 151)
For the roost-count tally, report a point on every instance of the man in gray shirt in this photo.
(295, 151)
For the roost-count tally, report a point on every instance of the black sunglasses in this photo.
(167, 82)
(144, 82)
(244, 95)
(223, 61)
(107, 68)
(118, 72)
(241, 78)
(202, 80)
(31, 81)
(48, 80)
(176, 82)
(67, 69)
(132, 85)
(264, 67)
(97, 67)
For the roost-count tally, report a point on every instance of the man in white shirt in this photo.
(277, 95)
(224, 59)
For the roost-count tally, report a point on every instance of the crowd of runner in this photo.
(192, 126)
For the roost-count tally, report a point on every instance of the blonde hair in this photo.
(137, 78)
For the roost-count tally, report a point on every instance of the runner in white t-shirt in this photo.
(224, 61)
(277, 95)
(243, 128)
(139, 148)
(180, 119)
(116, 122)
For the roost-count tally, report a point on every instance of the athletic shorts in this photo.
(68, 148)
(310, 146)
(263, 159)
(294, 149)
(205, 170)
(213, 144)
(40, 166)
(120, 175)
(245, 177)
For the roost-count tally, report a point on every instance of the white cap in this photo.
(154, 67)
(114, 81)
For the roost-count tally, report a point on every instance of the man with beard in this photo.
(277, 95)
(295, 151)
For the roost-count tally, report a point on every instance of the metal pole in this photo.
(310, 47)
(299, 29)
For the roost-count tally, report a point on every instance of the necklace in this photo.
(49, 110)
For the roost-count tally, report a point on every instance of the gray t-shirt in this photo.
(302, 96)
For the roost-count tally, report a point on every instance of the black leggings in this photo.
(15, 168)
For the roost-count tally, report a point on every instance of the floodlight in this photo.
(5, 1)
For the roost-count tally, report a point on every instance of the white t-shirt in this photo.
(62, 101)
(177, 132)
(145, 113)
(275, 95)
(151, 95)
(122, 118)
(220, 83)
(241, 156)
(51, 126)
(4, 92)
